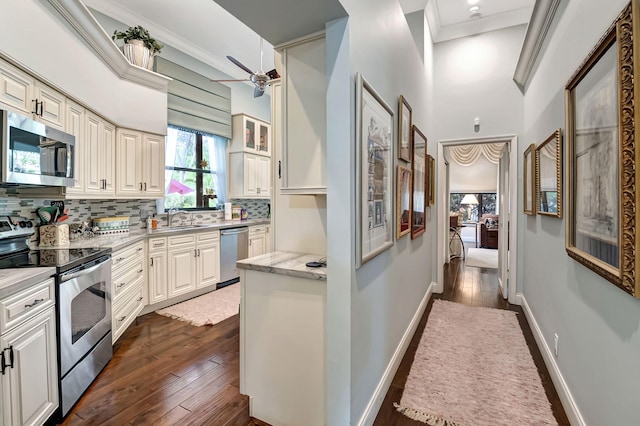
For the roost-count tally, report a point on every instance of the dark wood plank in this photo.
(473, 287)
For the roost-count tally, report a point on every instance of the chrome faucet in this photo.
(174, 211)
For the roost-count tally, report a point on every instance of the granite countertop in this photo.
(285, 263)
(14, 280)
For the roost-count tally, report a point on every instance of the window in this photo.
(486, 204)
(195, 169)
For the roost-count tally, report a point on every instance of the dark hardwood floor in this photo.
(165, 372)
(474, 287)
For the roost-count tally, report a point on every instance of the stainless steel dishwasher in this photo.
(234, 246)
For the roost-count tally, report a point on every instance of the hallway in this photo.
(473, 287)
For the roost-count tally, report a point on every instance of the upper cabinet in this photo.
(250, 135)
(139, 165)
(299, 113)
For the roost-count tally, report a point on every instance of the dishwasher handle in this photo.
(234, 231)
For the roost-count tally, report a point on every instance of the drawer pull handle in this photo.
(139, 248)
(120, 259)
(139, 299)
(121, 285)
(198, 252)
(158, 244)
(4, 362)
(122, 318)
(35, 302)
(152, 261)
(140, 271)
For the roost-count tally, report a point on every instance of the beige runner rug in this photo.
(208, 309)
(473, 367)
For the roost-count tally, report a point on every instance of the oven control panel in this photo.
(11, 227)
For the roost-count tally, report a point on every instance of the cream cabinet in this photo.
(16, 89)
(181, 264)
(268, 239)
(250, 134)
(99, 152)
(249, 175)
(300, 110)
(50, 104)
(29, 379)
(76, 126)
(158, 282)
(257, 240)
(208, 259)
(128, 289)
(140, 164)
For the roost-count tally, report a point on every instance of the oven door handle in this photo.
(67, 276)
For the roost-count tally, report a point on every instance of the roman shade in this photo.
(194, 101)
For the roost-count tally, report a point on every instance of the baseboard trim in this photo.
(569, 404)
(375, 402)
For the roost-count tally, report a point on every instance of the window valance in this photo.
(466, 155)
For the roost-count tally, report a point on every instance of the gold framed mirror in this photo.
(529, 180)
(549, 176)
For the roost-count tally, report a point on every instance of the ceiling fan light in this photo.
(474, 13)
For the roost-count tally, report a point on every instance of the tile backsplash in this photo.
(257, 209)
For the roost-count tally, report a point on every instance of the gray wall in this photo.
(598, 325)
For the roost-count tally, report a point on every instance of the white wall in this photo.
(384, 293)
(598, 325)
(481, 176)
(35, 35)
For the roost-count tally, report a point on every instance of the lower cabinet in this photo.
(29, 389)
(193, 262)
(258, 240)
(158, 282)
(208, 259)
(126, 309)
(128, 287)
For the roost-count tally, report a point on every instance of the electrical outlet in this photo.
(555, 344)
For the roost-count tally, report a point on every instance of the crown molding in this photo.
(482, 25)
(81, 19)
(543, 14)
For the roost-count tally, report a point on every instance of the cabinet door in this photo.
(208, 265)
(107, 163)
(256, 245)
(264, 139)
(76, 127)
(53, 106)
(250, 128)
(93, 132)
(182, 271)
(16, 89)
(268, 243)
(30, 388)
(157, 277)
(153, 165)
(250, 175)
(263, 176)
(128, 165)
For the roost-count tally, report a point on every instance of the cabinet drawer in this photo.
(208, 236)
(124, 278)
(127, 255)
(253, 230)
(124, 313)
(20, 307)
(182, 240)
(157, 244)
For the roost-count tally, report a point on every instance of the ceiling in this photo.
(210, 30)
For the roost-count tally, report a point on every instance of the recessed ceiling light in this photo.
(474, 12)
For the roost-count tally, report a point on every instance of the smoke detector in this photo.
(474, 12)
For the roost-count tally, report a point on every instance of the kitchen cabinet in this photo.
(140, 165)
(99, 151)
(208, 259)
(181, 266)
(268, 239)
(300, 110)
(76, 116)
(29, 388)
(257, 240)
(128, 289)
(50, 106)
(158, 283)
(250, 134)
(249, 175)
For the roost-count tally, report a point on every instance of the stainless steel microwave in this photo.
(34, 153)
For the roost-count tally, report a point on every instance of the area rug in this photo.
(473, 367)
(482, 258)
(208, 309)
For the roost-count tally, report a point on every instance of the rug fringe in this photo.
(422, 417)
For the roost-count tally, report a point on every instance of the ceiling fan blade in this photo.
(226, 81)
(257, 92)
(238, 63)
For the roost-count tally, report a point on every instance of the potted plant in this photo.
(139, 47)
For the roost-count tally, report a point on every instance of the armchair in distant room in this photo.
(489, 231)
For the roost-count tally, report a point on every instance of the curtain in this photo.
(218, 152)
(466, 155)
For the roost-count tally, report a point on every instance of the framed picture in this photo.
(431, 167)
(403, 202)
(374, 173)
(602, 205)
(549, 175)
(529, 180)
(404, 129)
(419, 182)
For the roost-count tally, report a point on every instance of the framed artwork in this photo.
(601, 204)
(431, 167)
(549, 175)
(403, 202)
(419, 182)
(404, 129)
(529, 180)
(374, 173)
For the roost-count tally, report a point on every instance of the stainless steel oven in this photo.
(84, 307)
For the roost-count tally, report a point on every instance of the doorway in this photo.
(507, 223)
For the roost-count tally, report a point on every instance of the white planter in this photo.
(138, 54)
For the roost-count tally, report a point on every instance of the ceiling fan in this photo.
(260, 78)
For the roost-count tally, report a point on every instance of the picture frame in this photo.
(374, 173)
(403, 202)
(419, 187)
(405, 123)
(549, 176)
(529, 180)
(602, 205)
(431, 167)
